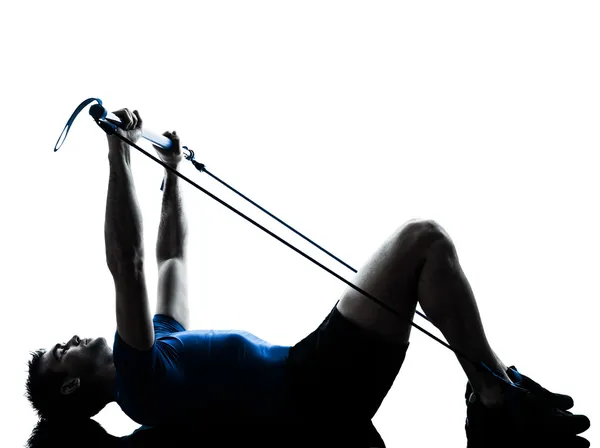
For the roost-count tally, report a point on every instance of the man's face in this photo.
(78, 357)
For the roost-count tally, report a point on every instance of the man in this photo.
(162, 374)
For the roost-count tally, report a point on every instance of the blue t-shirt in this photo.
(197, 377)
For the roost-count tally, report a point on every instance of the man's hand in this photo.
(131, 128)
(173, 155)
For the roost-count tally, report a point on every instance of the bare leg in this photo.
(418, 263)
(447, 298)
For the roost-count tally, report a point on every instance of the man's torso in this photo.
(201, 376)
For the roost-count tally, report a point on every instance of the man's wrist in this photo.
(116, 143)
(171, 174)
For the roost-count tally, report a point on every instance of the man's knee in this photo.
(421, 234)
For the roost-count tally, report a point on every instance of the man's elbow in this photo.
(172, 264)
(174, 252)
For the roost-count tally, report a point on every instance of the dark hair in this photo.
(72, 434)
(43, 392)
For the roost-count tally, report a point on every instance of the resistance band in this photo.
(109, 123)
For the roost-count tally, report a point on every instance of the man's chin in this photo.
(99, 345)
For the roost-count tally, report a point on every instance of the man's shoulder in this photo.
(165, 324)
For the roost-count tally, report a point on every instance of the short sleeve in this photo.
(127, 357)
(145, 377)
(165, 325)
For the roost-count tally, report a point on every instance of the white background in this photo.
(343, 118)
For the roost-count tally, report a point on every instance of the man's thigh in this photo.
(341, 372)
(391, 275)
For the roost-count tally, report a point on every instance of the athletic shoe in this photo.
(560, 401)
(524, 420)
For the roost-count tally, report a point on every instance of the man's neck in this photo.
(109, 378)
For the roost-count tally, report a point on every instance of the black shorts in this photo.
(341, 373)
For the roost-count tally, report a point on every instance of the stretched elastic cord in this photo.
(479, 365)
(339, 260)
(110, 127)
(202, 168)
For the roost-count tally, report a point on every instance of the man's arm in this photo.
(124, 241)
(171, 244)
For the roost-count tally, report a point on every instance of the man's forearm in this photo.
(172, 231)
(123, 221)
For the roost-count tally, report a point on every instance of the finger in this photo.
(564, 442)
(580, 442)
(176, 146)
(563, 402)
(130, 121)
(174, 138)
(133, 120)
(124, 116)
(560, 401)
(553, 441)
(129, 125)
(159, 148)
(570, 424)
(139, 121)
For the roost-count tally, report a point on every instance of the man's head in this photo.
(71, 434)
(75, 379)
